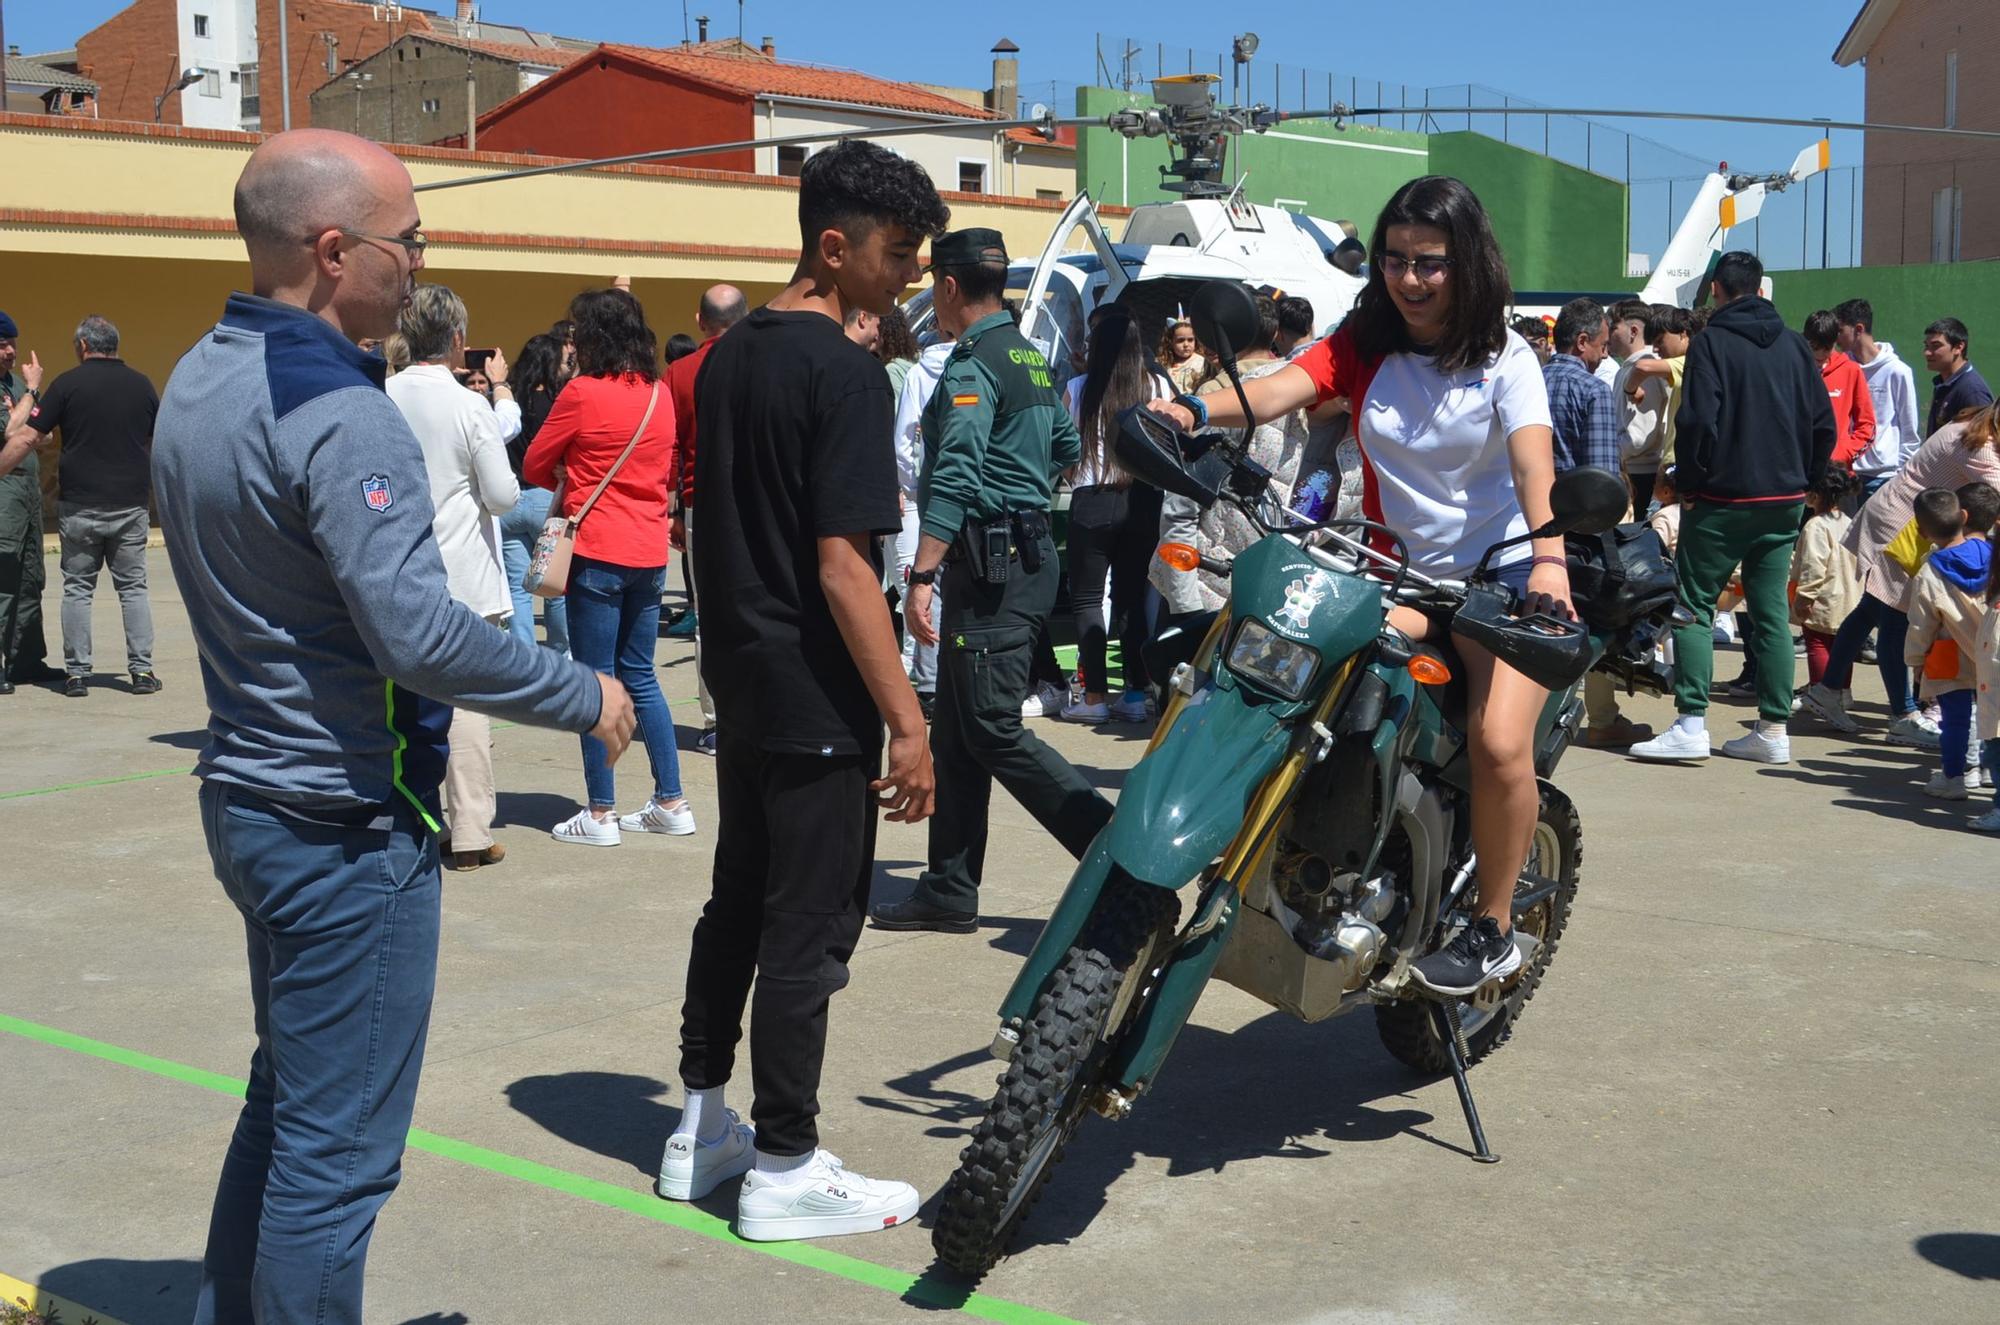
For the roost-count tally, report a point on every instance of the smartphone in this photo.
(475, 360)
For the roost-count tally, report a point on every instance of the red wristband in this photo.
(1550, 561)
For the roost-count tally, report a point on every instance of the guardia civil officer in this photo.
(995, 437)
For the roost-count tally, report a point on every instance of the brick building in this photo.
(415, 89)
(1928, 198)
(620, 100)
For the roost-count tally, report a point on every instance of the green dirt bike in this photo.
(1309, 784)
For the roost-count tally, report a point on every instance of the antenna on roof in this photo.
(684, 22)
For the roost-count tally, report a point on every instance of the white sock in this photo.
(778, 1165)
(704, 1116)
(1694, 724)
(1770, 728)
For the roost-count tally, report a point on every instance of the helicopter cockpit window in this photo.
(1060, 329)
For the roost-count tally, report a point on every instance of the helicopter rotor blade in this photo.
(1046, 124)
(1592, 112)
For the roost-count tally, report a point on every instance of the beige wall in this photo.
(137, 227)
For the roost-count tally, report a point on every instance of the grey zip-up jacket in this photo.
(297, 515)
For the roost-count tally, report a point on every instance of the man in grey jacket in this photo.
(298, 518)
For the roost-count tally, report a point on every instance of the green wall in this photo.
(1337, 174)
(1906, 300)
(1561, 227)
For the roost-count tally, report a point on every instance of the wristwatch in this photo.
(924, 576)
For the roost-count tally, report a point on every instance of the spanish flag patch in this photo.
(962, 401)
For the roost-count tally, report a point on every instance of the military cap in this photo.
(973, 247)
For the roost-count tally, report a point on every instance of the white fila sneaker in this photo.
(690, 1170)
(821, 1200)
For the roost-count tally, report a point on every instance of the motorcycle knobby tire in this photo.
(1045, 1089)
(1406, 1028)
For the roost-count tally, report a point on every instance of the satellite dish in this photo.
(1038, 111)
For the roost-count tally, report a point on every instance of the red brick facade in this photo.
(1909, 210)
(135, 53)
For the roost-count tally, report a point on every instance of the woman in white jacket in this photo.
(472, 485)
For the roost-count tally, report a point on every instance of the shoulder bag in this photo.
(547, 575)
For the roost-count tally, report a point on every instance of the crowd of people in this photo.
(870, 587)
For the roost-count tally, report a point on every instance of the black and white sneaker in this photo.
(1476, 955)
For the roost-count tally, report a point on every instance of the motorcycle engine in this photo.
(1338, 919)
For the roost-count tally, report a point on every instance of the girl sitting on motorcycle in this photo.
(1453, 421)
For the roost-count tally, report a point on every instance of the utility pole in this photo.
(284, 64)
(3, 56)
(471, 107)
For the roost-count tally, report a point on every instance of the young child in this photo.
(1826, 575)
(1666, 520)
(1947, 608)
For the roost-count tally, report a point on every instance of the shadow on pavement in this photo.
(1277, 1089)
(441, 1318)
(1971, 1255)
(531, 809)
(616, 1114)
(1884, 780)
(190, 740)
(136, 1292)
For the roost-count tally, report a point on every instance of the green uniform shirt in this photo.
(996, 433)
(12, 387)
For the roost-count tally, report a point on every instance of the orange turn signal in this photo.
(1180, 556)
(1428, 671)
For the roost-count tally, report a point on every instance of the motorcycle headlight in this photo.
(1264, 656)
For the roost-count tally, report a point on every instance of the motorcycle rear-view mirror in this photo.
(1224, 314)
(1585, 501)
(1152, 450)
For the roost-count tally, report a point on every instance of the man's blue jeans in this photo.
(519, 528)
(614, 624)
(342, 923)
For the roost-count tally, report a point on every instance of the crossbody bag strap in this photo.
(617, 464)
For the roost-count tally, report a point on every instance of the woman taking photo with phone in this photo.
(1453, 422)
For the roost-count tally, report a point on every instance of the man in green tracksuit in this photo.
(995, 437)
(24, 650)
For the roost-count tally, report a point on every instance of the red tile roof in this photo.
(775, 78)
(1065, 140)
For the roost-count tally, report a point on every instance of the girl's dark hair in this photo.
(894, 340)
(1476, 328)
(539, 367)
(1833, 486)
(1120, 374)
(680, 345)
(612, 338)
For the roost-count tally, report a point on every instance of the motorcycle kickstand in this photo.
(1444, 1015)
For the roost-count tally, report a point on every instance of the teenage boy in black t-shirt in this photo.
(797, 479)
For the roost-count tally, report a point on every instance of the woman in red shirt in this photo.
(620, 563)
(1453, 421)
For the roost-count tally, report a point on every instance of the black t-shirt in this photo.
(793, 443)
(105, 410)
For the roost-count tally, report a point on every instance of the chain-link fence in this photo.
(1882, 214)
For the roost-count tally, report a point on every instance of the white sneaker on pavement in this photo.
(1760, 747)
(1829, 706)
(691, 1169)
(587, 830)
(1044, 701)
(658, 818)
(821, 1200)
(1911, 729)
(1947, 788)
(1674, 745)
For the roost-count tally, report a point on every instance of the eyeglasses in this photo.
(414, 244)
(1431, 268)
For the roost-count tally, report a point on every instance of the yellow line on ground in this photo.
(23, 1294)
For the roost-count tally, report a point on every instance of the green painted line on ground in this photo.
(96, 782)
(926, 1290)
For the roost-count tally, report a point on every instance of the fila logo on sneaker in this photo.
(834, 1191)
(680, 1147)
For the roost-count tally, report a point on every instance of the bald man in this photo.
(722, 307)
(297, 515)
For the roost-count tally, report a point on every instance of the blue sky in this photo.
(1734, 56)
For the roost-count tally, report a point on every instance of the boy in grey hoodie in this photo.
(1893, 388)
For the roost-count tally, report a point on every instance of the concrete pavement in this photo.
(1760, 1082)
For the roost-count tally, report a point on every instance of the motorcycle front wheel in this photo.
(1047, 1085)
(1554, 853)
